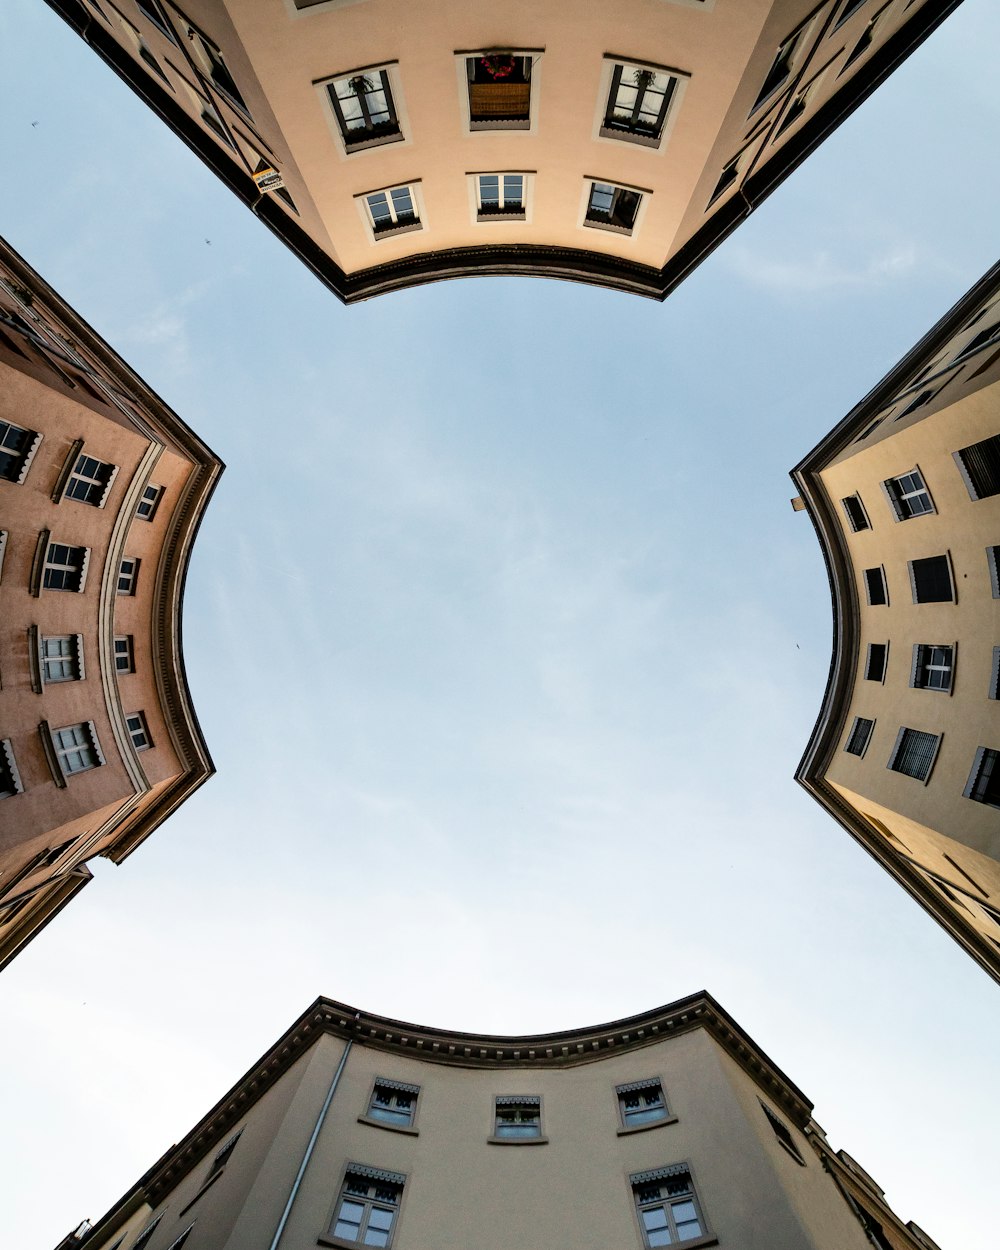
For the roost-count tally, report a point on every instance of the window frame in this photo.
(127, 652)
(125, 582)
(396, 227)
(20, 462)
(94, 483)
(79, 568)
(139, 735)
(590, 186)
(518, 1102)
(903, 741)
(73, 655)
(884, 601)
(57, 754)
(885, 662)
(985, 757)
(860, 520)
(901, 501)
(368, 136)
(481, 216)
(993, 441)
(638, 1180)
(394, 1087)
(614, 70)
(782, 1133)
(151, 504)
(360, 1171)
(923, 560)
(993, 691)
(627, 1088)
(854, 737)
(154, 12)
(466, 66)
(920, 666)
(11, 784)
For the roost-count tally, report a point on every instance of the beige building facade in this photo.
(390, 144)
(905, 497)
(670, 1128)
(102, 489)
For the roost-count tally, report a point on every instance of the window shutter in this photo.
(995, 676)
(980, 467)
(916, 665)
(931, 579)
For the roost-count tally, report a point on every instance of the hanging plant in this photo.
(360, 84)
(499, 64)
(644, 79)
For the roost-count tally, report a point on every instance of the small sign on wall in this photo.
(267, 177)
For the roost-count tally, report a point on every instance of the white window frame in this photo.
(478, 217)
(80, 569)
(350, 151)
(377, 1178)
(139, 735)
(602, 133)
(126, 652)
(590, 183)
(26, 456)
(397, 228)
(901, 498)
(130, 578)
(146, 508)
(534, 96)
(919, 667)
(72, 655)
(84, 743)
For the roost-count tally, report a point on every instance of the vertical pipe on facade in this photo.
(309, 1148)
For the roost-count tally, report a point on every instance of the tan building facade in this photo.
(102, 489)
(391, 144)
(905, 496)
(668, 1128)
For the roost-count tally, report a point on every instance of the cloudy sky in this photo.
(506, 643)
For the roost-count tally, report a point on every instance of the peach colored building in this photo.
(391, 143)
(102, 489)
(905, 497)
(670, 1128)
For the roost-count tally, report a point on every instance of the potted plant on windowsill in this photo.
(498, 65)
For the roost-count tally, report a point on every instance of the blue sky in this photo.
(506, 643)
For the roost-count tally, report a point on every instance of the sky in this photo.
(506, 643)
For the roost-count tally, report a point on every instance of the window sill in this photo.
(517, 1141)
(643, 1128)
(392, 1128)
(499, 123)
(501, 215)
(593, 224)
(373, 141)
(707, 1240)
(629, 136)
(391, 231)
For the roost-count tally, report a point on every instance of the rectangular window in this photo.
(392, 211)
(124, 654)
(215, 66)
(932, 667)
(499, 91)
(500, 195)
(393, 1102)
(150, 501)
(65, 567)
(128, 574)
(17, 446)
(612, 208)
(979, 466)
(667, 1206)
(876, 587)
(878, 653)
(77, 748)
(153, 10)
(641, 1103)
(914, 753)
(983, 785)
(364, 109)
(860, 736)
(856, 513)
(908, 495)
(993, 560)
(10, 778)
(638, 103)
(930, 580)
(62, 657)
(368, 1206)
(138, 731)
(90, 481)
(517, 1117)
(783, 1134)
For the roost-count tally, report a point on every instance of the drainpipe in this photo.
(310, 1147)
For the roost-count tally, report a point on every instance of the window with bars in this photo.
(17, 446)
(90, 480)
(914, 753)
(149, 502)
(610, 207)
(500, 195)
(782, 1133)
(860, 736)
(77, 749)
(517, 1117)
(138, 731)
(984, 781)
(364, 108)
(638, 103)
(933, 666)
(128, 575)
(875, 661)
(499, 91)
(930, 580)
(979, 466)
(65, 567)
(908, 495)
(124, 653)
(667, 1206)
(393, 1103)
(61, 657)
(368, 1206)
(641, 1103)
(875, 587)
(392, 211)
(10, 778)
(856, 514)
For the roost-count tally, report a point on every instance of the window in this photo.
(392, 211)
(176, 1245)
(876, 587)
(781, 68)
(667, 1206)
(128, 573)
(217, 69)
(993, 560)
(994, 691)
(10, 778)
(783, 1134)
(930, 580)
(500, 195)
(908, 495)
(138, 731)
(90, 481)
(364, 109)
(65, 567)
(153, 10)
(850, 8)
(984, 781)
(860, 736)
(914, 753)
(517, 1117)
(856, 514)
(918, 401)
(62, 658)
(499, 91)
(143, 1239)
(867, 36)
(77, 749)
(222, 1157)
(637, 104)
(983, 339)
(612, 208)
(394, 1103)
(979, 466)
(878, 653)
(368, 1206)
(124, 654)
(17, 447)
(150, 501)
(932, 667)
(641, 1103)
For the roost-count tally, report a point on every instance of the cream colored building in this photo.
(102, 489)
(391, 143)
(905, 496)
(668, 1128)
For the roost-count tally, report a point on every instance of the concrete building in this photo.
(389, 143)
(668, 1128)
(905, 497)
(102, 489)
